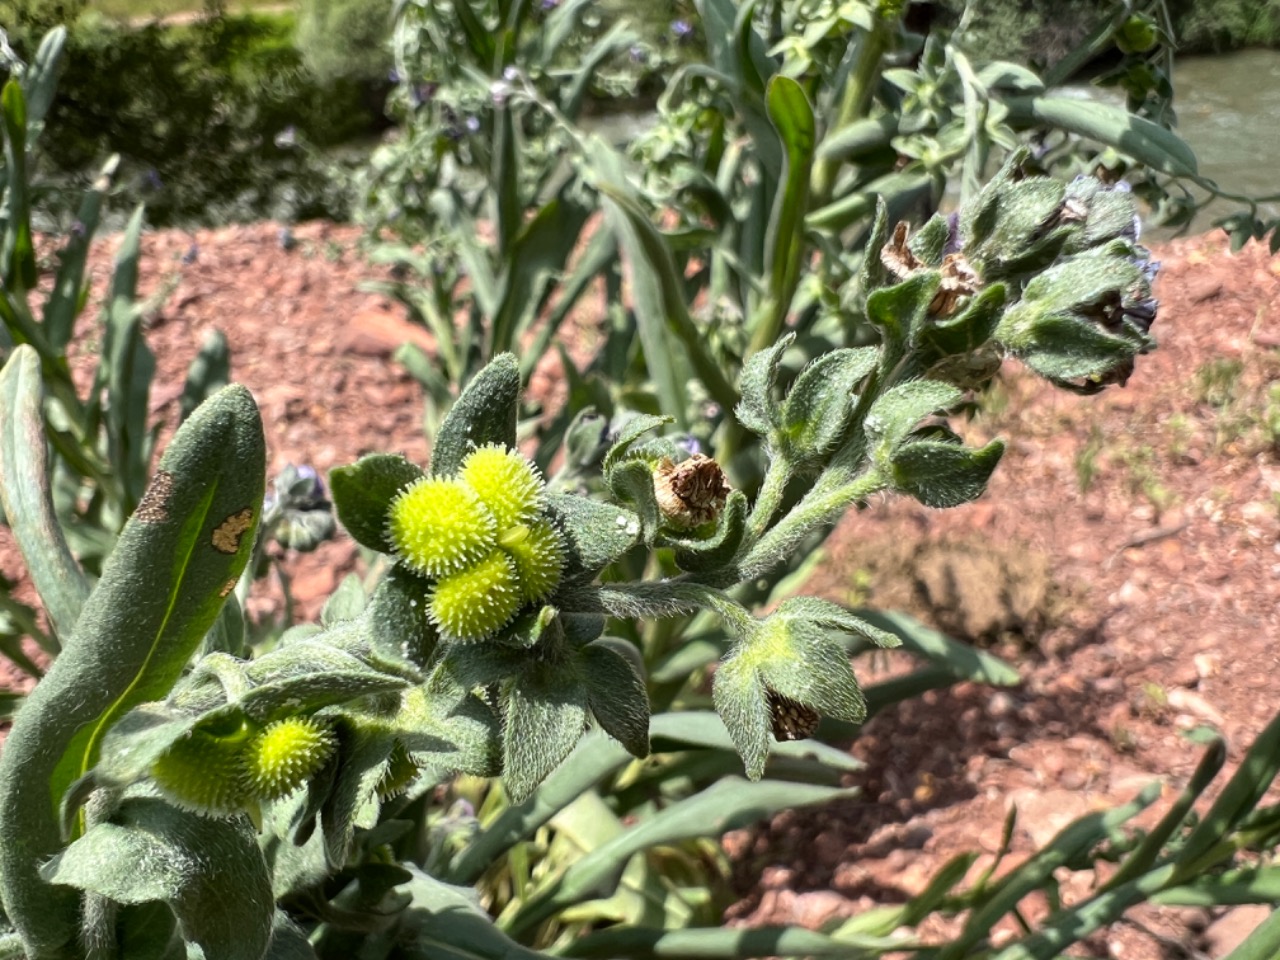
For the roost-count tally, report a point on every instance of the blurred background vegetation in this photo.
(252, 109)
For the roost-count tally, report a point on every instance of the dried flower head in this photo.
(790, 719)
(285, 755)
(439, 527)
(692, 492)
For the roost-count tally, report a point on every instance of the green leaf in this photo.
(897, 412)
(899, 311)
(345, 603)
(26, 495)
(362, 495)
(129, 368)
(759, 411)
(445, 922)
(152, 851)
(596, 534)
(945, 474)
(819, 405)
(594, 758)
(741, 701)
(187, 542)
(792, 117)
(360, 761)
(66, 298)
(718, 550)
(209, 372)
(659, 298)
(965, 662)
(546, 711)
(631, 482)
(484, 413)
(616, 697)
(18, 255)
(631, 430)
(1148, 143)
(728, 805)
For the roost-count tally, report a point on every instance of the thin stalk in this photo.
(822, 505)
(856, 101)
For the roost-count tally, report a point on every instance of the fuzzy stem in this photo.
(823, 505)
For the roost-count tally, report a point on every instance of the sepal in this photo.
(362, 495)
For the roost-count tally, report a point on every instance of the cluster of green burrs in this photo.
(482, 538)
(229, 768)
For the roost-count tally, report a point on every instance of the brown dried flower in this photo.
(958, 278)
(692, 492)
(790, 719)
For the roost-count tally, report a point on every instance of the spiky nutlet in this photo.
(285, 755)
(205, 772)
(479, 601)
(438, 527)
(505, 482)
(400, 773)
(539, 560)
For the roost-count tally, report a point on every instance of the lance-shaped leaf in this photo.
(596, 534)
(617, 697)
(210, 873)
(484, 413)
(945, 474)
(544, 717)
(896, 413)
(729, 805)
(362, 495)
(819, 404)
(26, 495)
(362, 755)
(445, 922)
(162, 587)
(758, 410)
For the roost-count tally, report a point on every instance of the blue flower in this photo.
(682, 29)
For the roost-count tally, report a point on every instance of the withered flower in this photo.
(790, 719)
(959, 279)
(692, 492)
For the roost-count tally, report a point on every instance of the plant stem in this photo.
(856, 102)
(822, 505)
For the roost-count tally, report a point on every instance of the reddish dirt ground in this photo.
(1126, 560)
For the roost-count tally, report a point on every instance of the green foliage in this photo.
(346, 39)
(294, 800)
(203, 117)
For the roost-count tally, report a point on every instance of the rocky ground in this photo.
(1125, 559)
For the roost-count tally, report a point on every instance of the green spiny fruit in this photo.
(400, 773)
(477, 602)
(284, 755)
(539, 559)
(438, 527)
(505, 482)
(205, 771)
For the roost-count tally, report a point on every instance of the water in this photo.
(1228, 108)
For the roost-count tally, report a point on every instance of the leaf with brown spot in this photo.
(226, 537)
